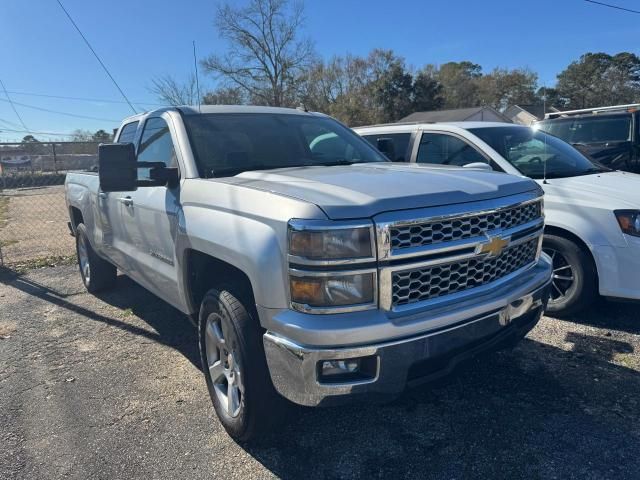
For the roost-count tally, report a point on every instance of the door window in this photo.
(400, 144)
(442, 149)
(128, 133)
(155, 146)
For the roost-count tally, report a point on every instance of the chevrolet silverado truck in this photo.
(313, 268)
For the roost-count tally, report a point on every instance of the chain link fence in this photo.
(33, 214)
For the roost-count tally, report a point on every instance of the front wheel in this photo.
(234, 365)
(574, 280)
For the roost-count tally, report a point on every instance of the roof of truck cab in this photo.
(204, 109)
(408, 127)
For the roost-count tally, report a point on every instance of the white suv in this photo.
(592, 212)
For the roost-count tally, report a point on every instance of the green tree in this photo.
(501, 88)
(225, 96)
(102, 137)
(599, 79)
(459, 83)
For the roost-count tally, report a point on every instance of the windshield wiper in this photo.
(231, 171)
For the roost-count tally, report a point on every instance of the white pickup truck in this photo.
(314, 269)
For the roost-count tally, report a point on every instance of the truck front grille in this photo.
(417, 285)
(420, 234)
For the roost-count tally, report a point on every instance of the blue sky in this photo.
(42, 53)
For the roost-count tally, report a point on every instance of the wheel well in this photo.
(205, 272)
(560, 232)
(76, 216)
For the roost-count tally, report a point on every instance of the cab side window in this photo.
(442, 149)
(128, 133)
(400, 144)
(156, 146)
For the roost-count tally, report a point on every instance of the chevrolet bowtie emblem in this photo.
(494, 247)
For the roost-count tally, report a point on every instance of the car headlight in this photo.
(316, 248)
(629, 221)
(308, 240)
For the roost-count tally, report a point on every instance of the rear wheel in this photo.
(234, 365)
(97, 274)
(574, 280)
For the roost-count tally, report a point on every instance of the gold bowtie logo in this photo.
(494, 247)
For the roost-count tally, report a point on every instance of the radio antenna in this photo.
(195, 68)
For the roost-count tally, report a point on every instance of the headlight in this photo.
(319, 253)
(332, 291)
(629, 221)
(310, 241)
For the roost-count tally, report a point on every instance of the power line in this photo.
(57, 134)
(15, 110)
(96, 55)
(58, 112)
(613, 6)
(83, 99)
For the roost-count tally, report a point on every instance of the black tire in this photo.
(97, 274)
(570, 261)
(259, 404)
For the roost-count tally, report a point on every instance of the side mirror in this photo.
(117, 168)
(386, 146)
(479, 166)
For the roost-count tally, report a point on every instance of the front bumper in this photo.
(295, 370)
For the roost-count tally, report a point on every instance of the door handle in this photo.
(102, 195)
(128, 201)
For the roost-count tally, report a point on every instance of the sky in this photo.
(42, 53)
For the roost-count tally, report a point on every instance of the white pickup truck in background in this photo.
(592, 213)
(314, 269)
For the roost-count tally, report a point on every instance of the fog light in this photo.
(348, 370)
(339, 367)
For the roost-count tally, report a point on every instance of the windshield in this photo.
(533, 152)
(586, 130)
(231, 143)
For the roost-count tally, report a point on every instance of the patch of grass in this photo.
(4, 211)
(6, 243)
(42, 262)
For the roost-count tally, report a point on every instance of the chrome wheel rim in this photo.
(83, 259)
(563, 278)
(224, 369)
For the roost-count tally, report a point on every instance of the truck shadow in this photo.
(536, 412)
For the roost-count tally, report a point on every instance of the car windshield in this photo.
(229, 144)
(537, 154)
(586, 130)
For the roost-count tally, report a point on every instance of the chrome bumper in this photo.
(295, 368)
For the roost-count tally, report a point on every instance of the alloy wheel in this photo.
(83, 259)
(563, 277)
(222, 361)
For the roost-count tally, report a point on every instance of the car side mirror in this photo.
(386, 146)
(479, 166)
(117, 167)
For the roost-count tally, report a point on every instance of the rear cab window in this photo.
(400, 142)
(128, 132)
(591, 129)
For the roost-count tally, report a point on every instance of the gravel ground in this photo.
(110, 387)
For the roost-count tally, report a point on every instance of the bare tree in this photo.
(265, 57)
(225, 96)
(173, 92)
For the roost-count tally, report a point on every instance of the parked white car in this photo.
(592, 213)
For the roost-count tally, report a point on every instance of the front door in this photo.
(150, 216)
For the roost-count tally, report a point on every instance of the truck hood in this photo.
(615, 190)
(365, 190)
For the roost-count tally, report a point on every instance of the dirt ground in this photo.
(25, 214)
(110, 387)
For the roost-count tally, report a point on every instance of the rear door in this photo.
(402, 143)
(110, 213)
(150, 214)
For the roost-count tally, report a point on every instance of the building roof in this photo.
(455, 115)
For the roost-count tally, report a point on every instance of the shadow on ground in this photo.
(538, 411)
